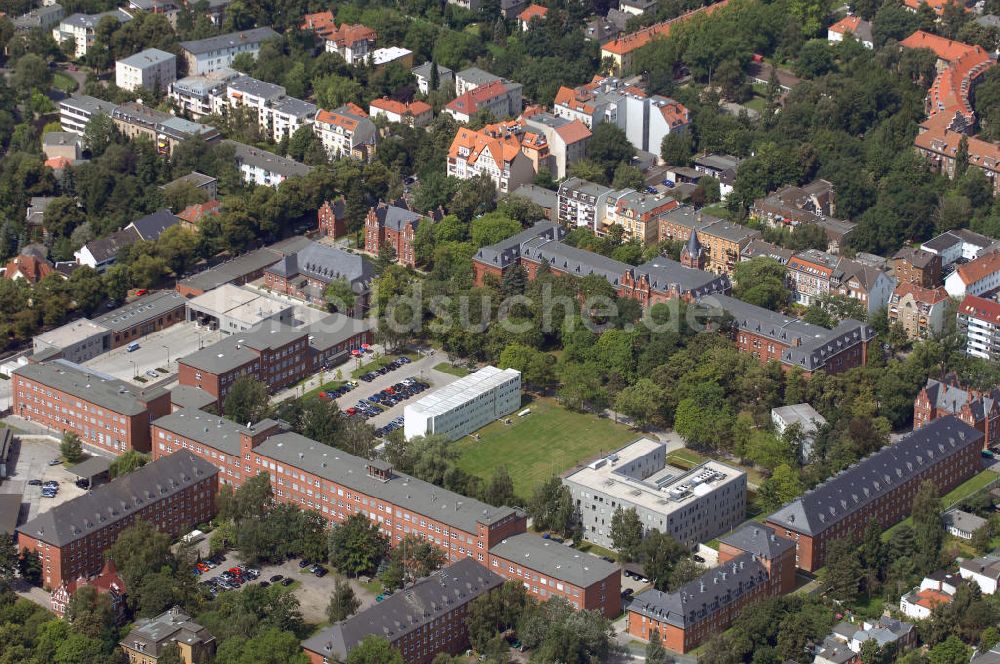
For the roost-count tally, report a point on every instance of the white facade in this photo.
(967, 280)
(984, 572)
(464, 406)
(151, 69)
(278, 115)
(979, 320)
(507, 177)
(80, 29)
(803, 415)
(207, 55)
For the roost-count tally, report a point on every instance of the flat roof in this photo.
(664, 491)
(238, 303)
(10, 510)
(140, 310)
(90, 385)
(802, 414)
(188, 396)
(66, 335)
(228, 41)
(212, 430)
(147, 58)
(555, 560)
(463, 390)
(92, 467)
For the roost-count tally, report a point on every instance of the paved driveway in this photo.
(421, 370)
(30, 460)
(176, 341)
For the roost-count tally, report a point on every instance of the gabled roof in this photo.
(978, 269)
(980, 309)
(928, 296)
(152, 226)
(325, 264)
(396, 218)
(876, 475)
(30, 268)
(759, 540)
(469, 103)
(533, 11)
(107, 248)
(508, 251)
(638, 39)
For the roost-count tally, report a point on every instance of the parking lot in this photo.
(176, 341)
(30, 461)
(312, 592)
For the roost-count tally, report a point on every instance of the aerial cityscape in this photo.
(504, 332)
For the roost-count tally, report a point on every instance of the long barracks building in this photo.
(880, 487)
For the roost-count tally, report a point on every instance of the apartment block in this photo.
(921, 311)
(567, 139)
(754, 564)
(979, 409)
(394, 226)
(351, 42)
(621, 50)
(104, 412)
(413, 114)
(878, 488)
(423, 75)
(196, 96)
(165, 131)
(979, 321)
(958, 244)
(638, 214)
(425, 620)
(278, 115)
(814, 274)
(77, 110)
(468, 404)
(261, 167)
(979, 277)
(173, 494)
(918, 267)
(811, 204)
(81, 29)
(721, 241)
(691, 506)
(583, 203)
(346, 132)
(151, 69)
(500, 98)
(207, 55)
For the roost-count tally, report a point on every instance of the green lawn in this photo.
(549, 441)
(756, 104)
(380, 362)
(449, 368)
(718, 210)
(64, 82)
(332, 385)
(952, 498)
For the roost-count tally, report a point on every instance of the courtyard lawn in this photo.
(449, 368)
(64, 82)
(969, 488)
(548, 441)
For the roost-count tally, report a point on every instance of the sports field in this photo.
(550, 440)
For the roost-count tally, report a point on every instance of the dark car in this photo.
(304, 563)
(320, 571)
(264, 584)
(276, 578)
(697, 558)
(35, 482)
(627, 593)
(287, 581)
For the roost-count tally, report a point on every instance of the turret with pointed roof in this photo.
(692, 255)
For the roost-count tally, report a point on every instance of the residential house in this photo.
(958, 245)
(29, 268)
(62, 144)
(151, 69)
(351, 42)
(471, 78)
(145, 642)
(81, 29)
(40, 18)
(917, 266)
(414, 113)
(423, 75)
(500, 98)
(381, 58)
(567, 140)
(544, 198)
(638, 214)
(199, 181)
(793, 206)
(806, 418)
(962, 524)
(855, 26)
(101, 253)
(77, 110)
(193, 216)
(531, 13)
(978, 409)
(108, 582)
(880, 487)
(495, 151)
(722, 241)
(843, 645)
(935, 590)
(393, 226)
(265, 168)
(722, 167)
(164, 130)
(762, 249)
(197, 96)
(319, 23)
(979, 277)
(636, 7)
(346, 132)
(939, 144)
(983, 571)
(979, 321)
(583, 203)
(920, 311)
(207, 55)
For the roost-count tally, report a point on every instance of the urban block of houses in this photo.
(415, 113)
(979, 409)
(567, 139)
(770, 336)
(843, 645)
(346, 131)
(754, 564)
(962, 524)
(936, 589)
(646, 120)
(979, 321)
(174, 493)
(278, 115)
(762, 249)
(76, 111)
(722, 241)
(198, 95)
(438, 603)
(979, 277)
(151, 69)
(920, 311)
(805, 417)
(497, 151)
(959, 245)
(813, 274)
(691, 506)
(81, 29)
(878, 488)
(164, 130)
(423, 75)
(261, 167)
(464, 406)
(393, 225)
(207, 55)
(855, 26)
(500, 98)
(983, 571)
(918, 267)
(813, 203)
(145, 642)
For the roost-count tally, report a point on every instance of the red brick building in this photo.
(917, 267)
(978, 409)
(306, 273)
(108, 582)
(331, 218)
(427, 619)
(105, 413)
(174, 494)
(393, 226)
(754, 564)
(879, 488)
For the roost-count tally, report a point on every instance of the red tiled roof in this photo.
(196, 212)
(921, 294)
(946, 49)
(399, 108)
(846, 25)
(980, 308)
(533, 11)
(929, 598)
(348, 34)
(937, 138)
(573, 132)
(979, 269)
(321, 23)
(501, 140)
(937, 5)
(630, 42)
(469, 102)
(32, 269)
(58, 163)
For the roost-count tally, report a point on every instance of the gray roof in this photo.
(188, 396)
(119, 499)
(508, 251)
(234, 350)
(717, 162)
(347, 470)
(759, 540)
(147, 307)
(92, 467)
(582, 186)
(10, 511)
(916, 257)
(396, 218)
(424, 70)
(227, 41)
(325, 263)
(809, 346)
(335, 329)
(147, 58)
(88, 105)
(34, 18)
(989, 657)
(201, 85)
(876, 475)
(836, 652)
(963, 521)
(52, 138)
(477, 76)
(212, 430)
(90, 21)
(545, 198)
(173, 626)
(152, 226)
(268, 161)
(6, 443)
(988, 565)
(196, 179)
(762, 249)
(988, 21)
(257, 88)
(666, 275)
(140, 115)
(90, 385)
(245, 264)
(408, 610)
(712, 593)
(555, 560)
(106, 248)
(956, 236)
(295, 107)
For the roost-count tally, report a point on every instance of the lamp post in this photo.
(135, 368)
(167, 348)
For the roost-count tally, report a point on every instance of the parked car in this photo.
(320, 572)
(276, 578)
(152, 374)
(304, 563)
(34, 482)
(55, 462)
(287, 581)
(697, 558)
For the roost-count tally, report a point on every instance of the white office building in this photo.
(690, 505)
(151, 69)
(464, 406)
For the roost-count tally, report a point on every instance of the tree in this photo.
(843, 569)
(343, 603)
(660, 554)
(91, 614)
(782, 486)
(170, 654)
(357, 544)
(247, 401)
(29, 567)
(414, 558)
(252, 501)
(928, 533)
(493, 228)
(374, 649)
(340, 296)
(31, 73)
(655, 654)
(626, 533)
(127, 462)
(71, 447)
(761, 281)
(676, 148)
(641, 401)
(949, 651)
(609, 146)
(8, 559)
(500, 489)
